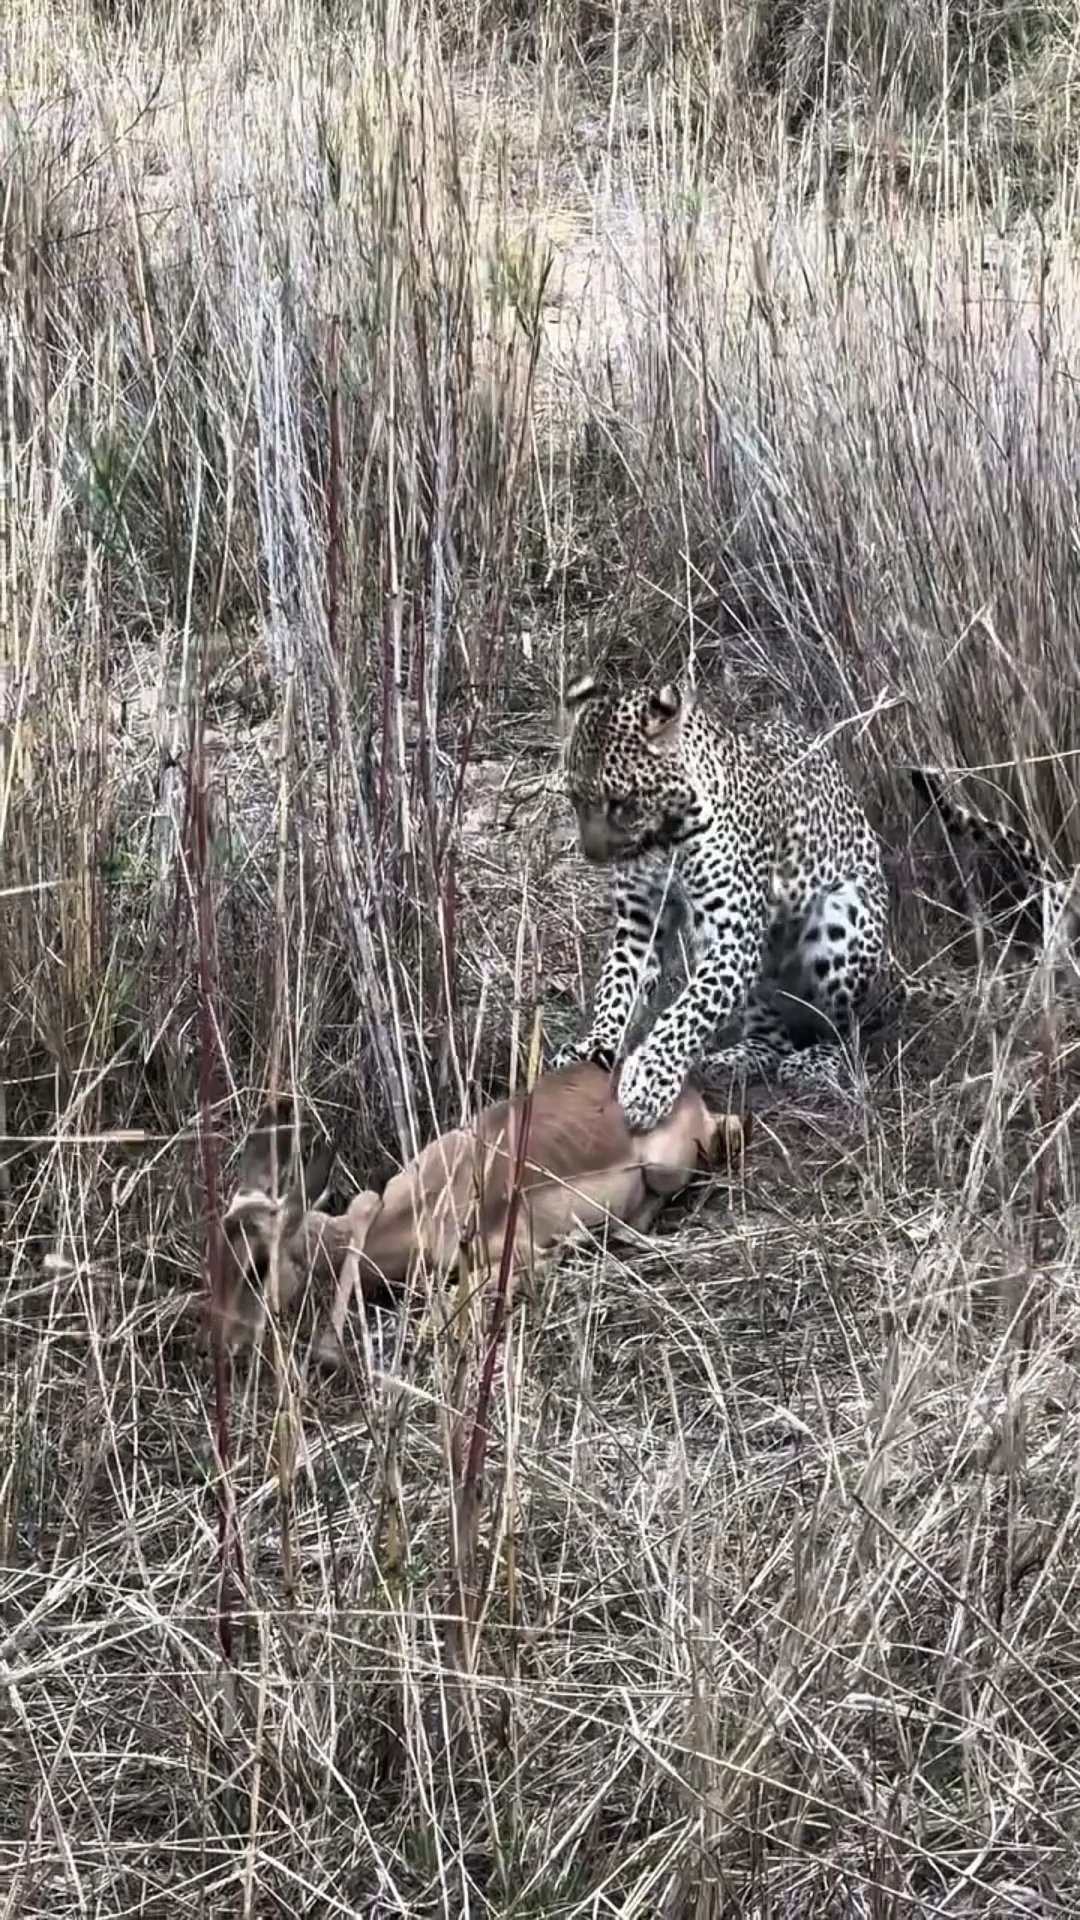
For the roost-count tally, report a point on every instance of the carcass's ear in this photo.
(664, 713)
(311, 1189)
(271, 1140)
(273, 1130)
(580, 692)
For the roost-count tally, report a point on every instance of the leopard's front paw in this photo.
(647, 1090)
(568, 1056)
(584, 1049)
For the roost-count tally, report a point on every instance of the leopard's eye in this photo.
(624, 812)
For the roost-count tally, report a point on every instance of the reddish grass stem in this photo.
(230, 1567)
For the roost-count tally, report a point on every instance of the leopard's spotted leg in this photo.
(632, 967)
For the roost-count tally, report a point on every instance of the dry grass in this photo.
(356, 386)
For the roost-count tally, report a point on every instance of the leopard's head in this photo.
(627, 772)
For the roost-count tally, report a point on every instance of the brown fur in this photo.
(583, 1169)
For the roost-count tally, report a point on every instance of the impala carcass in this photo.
(565, 1148)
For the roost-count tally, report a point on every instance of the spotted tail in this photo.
(1016, 886)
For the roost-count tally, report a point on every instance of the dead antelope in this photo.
(583, 1169)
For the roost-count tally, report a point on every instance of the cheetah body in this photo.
(751, 846)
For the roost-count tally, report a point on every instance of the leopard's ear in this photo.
(665, 710)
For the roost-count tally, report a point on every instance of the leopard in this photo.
(749, 845)
(1000, 873)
